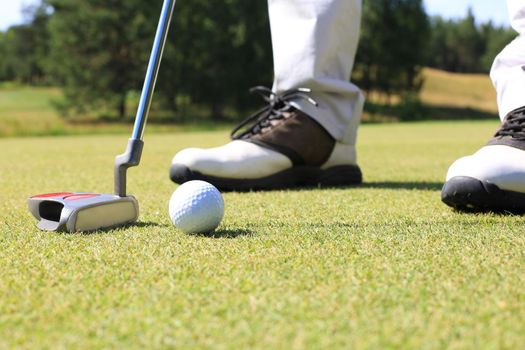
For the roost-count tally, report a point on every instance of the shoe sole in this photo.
(472, 195)
(292, 178)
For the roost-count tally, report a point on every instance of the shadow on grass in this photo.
(147, 224)
(422, 186)
(227, 233)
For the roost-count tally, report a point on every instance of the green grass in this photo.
(383, 265)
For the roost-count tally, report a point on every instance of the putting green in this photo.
(383, 265)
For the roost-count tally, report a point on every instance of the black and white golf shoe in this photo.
(278, 147)
(492, 179)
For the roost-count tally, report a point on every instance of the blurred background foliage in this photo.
(96, 52)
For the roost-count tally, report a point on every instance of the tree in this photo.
(218, 53)
(468, 44)
(99, 50)
(440, 55)
(25, 48)
(3, 49)
(465, 46)
(392, 47)
(496, 38)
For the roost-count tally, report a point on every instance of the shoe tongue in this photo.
(278, 118)
(512, 128)
(516, 114)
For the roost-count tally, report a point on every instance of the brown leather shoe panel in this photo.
(301, 135)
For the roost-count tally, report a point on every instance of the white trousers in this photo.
(508, 71)
(314, 45)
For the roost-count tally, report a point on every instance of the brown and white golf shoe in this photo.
(277, 147)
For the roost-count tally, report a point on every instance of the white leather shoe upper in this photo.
(235, 160)
(245, 160)
(343, 154)
(503, 166)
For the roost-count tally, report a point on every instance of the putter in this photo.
(83, 212)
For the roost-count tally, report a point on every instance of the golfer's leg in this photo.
(494, 177)
(314, 44)
(508, 71)
(295, 142)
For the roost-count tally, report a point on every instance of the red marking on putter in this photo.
(78, 197)
(51, 195)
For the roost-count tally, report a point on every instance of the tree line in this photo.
(97, 51)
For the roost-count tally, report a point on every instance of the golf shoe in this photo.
(277, 147)
(492, 179)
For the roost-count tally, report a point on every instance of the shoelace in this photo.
(513, 125)
(278, 104)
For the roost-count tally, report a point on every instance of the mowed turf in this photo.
(383, 265)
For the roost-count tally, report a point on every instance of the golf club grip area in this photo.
(153, 69)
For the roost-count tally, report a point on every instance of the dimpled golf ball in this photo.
(196, 207)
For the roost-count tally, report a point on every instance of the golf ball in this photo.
(196, 207)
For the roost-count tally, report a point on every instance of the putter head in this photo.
(82, 212)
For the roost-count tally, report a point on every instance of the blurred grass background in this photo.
(29, 111)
